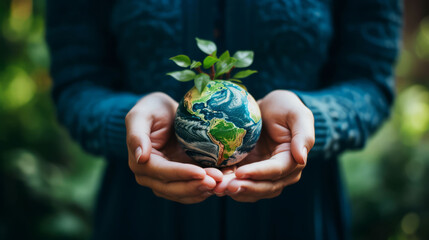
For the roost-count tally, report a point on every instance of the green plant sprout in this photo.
(220, 67)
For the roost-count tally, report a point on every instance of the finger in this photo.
(160, 168)
(186, 200)
(277, 167)
(227, 176)
(250, 191)
(229, 170)
(251, 198)
(215, 173)
(221, 187)
(179, 189)
(138, 136)
(303, 138)
(197, 199)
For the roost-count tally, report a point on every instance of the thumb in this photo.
(138, 137)
(302, 128)
(300, 146)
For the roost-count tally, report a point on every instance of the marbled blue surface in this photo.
(231, 104)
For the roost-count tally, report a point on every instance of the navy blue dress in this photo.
(337, 55)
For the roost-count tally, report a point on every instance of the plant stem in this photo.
(212, 73)
(228, 74)
(199, 70)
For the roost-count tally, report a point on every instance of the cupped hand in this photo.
(156, 158)
(280, 154)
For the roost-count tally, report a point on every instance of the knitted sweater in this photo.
(337, 56)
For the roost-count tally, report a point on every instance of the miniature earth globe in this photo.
(220, 126)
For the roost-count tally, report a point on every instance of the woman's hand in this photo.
(280, 154)
(156, 158)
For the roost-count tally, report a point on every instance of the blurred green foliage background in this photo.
(48, 184)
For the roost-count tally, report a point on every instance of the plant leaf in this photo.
(245, 73)
(224, 66)
(181, 60)
(209, 61)
(224, 56)
(195, 64)
(183, 76)
(235, 80)
(244, 58)
(208, 47)
(201, 81)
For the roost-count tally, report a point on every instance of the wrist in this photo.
(157, 101)
(282, 100)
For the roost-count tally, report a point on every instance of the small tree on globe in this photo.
(217, 122)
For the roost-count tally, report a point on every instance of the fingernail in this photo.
(138, 153)
(305, 153)
(203, 188)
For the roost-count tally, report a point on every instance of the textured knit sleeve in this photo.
(85, 75)
(361, 78)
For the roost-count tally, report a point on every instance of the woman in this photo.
(325, 74)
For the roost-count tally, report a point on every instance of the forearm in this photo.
(345, 115)
(95, 117)
(86, 76)
(359, 75)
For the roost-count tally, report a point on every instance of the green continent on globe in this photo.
(227, 136)
(193, 97)
(220, 125)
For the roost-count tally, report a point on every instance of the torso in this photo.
(290, 38)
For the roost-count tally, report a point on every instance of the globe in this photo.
(219, 126)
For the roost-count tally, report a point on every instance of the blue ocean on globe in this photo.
(219, 126)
